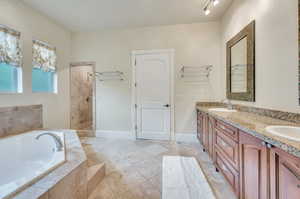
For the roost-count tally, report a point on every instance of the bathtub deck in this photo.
(63, 176)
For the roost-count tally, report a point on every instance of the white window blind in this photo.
(10, 50)
(44, 56)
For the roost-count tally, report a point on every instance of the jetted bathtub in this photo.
(24, 159)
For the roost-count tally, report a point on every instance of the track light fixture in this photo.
(215, 2)
(208, 4)
(206, 11)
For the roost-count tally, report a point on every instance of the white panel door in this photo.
(153, 96)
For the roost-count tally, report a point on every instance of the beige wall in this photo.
(276, 49)
(32, 25)
(194, 44)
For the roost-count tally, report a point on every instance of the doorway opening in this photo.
(153, 88)
(82, 97)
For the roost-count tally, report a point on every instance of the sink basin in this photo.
(289, 132)
(223, 110)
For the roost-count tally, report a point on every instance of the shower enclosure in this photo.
(82, 91)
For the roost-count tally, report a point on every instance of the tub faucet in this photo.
(57, 140)
(228, 103)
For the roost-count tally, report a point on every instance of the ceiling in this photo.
(91, 15)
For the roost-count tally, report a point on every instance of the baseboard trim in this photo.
(154, 136)
(186, 137)
(115, 134)
(179, 137)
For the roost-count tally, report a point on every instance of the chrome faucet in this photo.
(228, 103)
(57, 140)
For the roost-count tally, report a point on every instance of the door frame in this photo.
(135, 53)
(93, 65)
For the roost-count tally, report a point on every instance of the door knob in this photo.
(167, 105)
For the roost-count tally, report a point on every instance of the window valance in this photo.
(44, 56)
(10, 50)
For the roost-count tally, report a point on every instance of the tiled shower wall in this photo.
(19, 119)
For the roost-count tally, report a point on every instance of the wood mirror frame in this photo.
(249, 32)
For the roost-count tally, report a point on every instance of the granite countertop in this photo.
(75, 156)
(255, 125)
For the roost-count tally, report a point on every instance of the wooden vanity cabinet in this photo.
(226, 153)
(253, 167)
(228, 147)
(203, 132)
(284, 175)
(230, 173)
(200, 126)
(228, 130)
(267, 172)
(211, 135)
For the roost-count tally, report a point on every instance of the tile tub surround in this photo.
(255, 123)
(69, 181)
(19, 119)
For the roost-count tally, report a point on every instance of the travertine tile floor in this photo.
(134, 167)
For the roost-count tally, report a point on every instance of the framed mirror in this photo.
(240, 55)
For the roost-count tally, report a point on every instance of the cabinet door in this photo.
(285, 175)
(211, 135)
(200, 126)
(253, 168)
(205, 133)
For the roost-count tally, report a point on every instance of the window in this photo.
(9, 78)
(44, 78)
(10, 61)
(43, 81)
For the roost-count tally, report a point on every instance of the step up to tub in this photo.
(95, 175)
(86, 133)
(183, 178)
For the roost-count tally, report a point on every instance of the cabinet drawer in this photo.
(228, 147)
(227, 129)
(229, 172)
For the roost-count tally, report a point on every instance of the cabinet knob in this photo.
(267, 145)
(224, 168)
